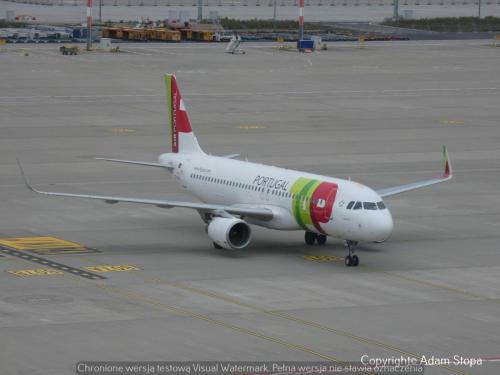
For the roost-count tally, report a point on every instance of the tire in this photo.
(310, 238)
(321, 239)
(348, 261)
(355, 260)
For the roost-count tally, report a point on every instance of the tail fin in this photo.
(183, 139)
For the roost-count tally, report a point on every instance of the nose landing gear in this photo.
(351, 260)
(311, 238)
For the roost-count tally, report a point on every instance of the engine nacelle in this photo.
(229, 233)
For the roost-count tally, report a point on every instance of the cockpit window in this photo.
(369, 206)
(349, 206)
(357, 206)
(381, 205)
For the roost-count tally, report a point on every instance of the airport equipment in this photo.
(69, 50)
(317, 42)
(164, 34)
(235, 194)
(105, 43)
(233, 45)
(305, 45)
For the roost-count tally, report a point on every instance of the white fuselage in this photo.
(300, 201)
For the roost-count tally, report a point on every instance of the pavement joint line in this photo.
(282, 315)
(141, 298)
(289, 317)
(440, 286)
(324, 92)
(182, 311)
(320, 326)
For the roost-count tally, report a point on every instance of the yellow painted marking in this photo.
(122, 130)
(64, 251)
(323, 258)
(36, 272)
(251, 126)
(37, 243)
(110, 268)
(45, 245)
(452, 122)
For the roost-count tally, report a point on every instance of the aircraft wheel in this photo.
(355, 260)
(217, 246)
(348, 261)
(321, 239)
(310, 238)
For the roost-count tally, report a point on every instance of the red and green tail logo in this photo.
(177, 114)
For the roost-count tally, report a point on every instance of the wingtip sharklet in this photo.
(448, 171)
(25, 178)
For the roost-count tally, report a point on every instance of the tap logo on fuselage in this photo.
(313, 202)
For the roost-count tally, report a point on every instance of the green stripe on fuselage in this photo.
(303, 190)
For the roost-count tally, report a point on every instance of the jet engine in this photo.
(229, 233)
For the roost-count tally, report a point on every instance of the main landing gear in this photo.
(312, 238)
(351, 260)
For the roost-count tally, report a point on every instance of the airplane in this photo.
(235, 194)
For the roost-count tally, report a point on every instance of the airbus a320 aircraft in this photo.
(237, 193)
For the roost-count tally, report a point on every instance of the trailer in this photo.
(73, 50)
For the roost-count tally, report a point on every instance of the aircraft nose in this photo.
(385, 225)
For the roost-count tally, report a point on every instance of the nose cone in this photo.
(384, 226)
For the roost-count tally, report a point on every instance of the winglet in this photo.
(448, 171)
(25, 178)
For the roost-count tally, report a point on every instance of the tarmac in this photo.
(86, 281)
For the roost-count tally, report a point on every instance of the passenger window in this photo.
(349, 206)
(369, 206)
(357, 206)
(381, 205)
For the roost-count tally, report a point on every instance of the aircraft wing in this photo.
(147, 163)
(447, 175)
(255, 212)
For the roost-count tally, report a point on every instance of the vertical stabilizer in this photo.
(183, 138)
